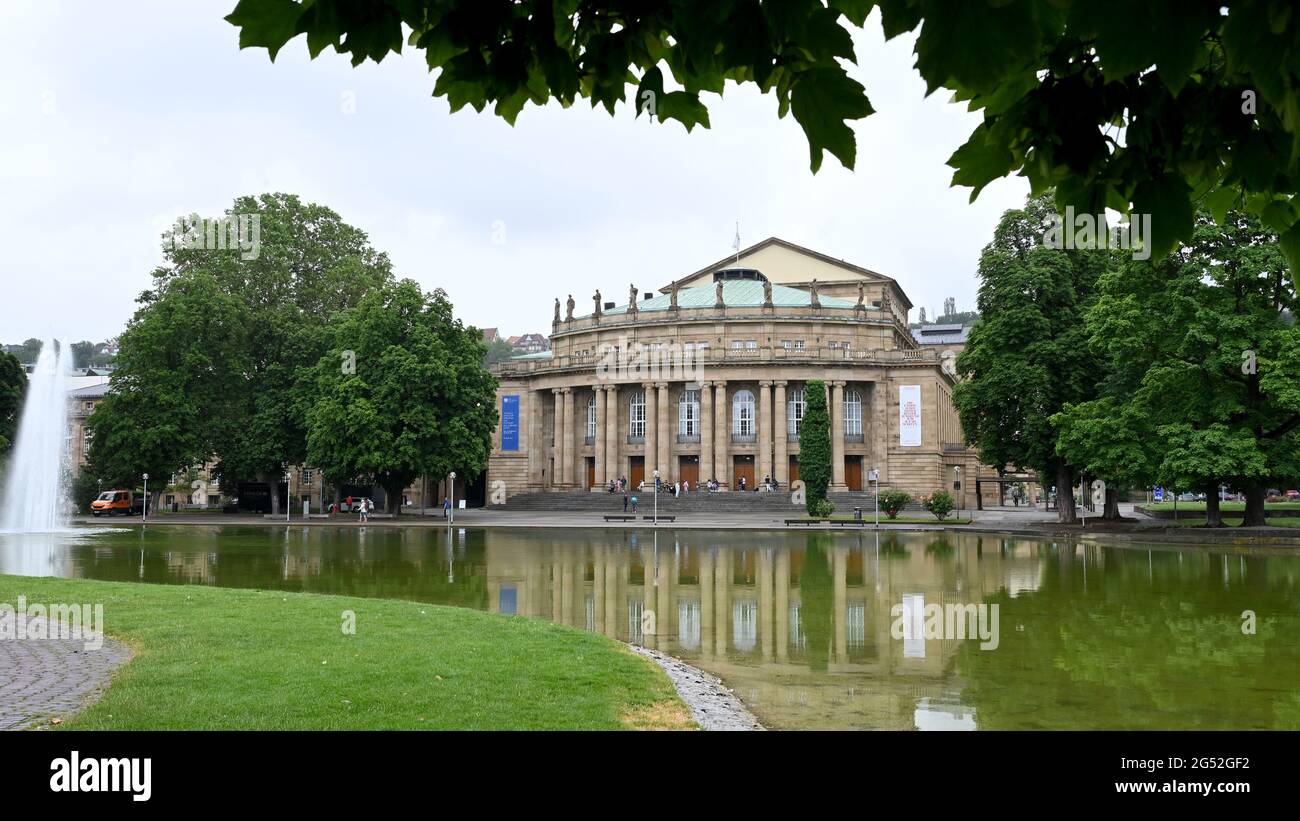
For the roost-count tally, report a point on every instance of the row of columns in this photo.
(715, 433)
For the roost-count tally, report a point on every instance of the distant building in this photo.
(491, 335)
(530, 343)
(949, 340)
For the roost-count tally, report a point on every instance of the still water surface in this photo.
(799, 624)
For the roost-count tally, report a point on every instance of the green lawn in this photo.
(1273, 521)
(870, 519)
(217, 659)
(1226, 507)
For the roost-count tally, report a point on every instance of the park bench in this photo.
(789, 522)
(853, 522)
(620, 517)
(662, 518)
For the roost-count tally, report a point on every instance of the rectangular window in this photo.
(751, 344)
(737, 344)
(798, 344)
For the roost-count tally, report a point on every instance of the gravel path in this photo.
(46, 679)
(713, 706)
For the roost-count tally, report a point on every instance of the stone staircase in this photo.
(694, 502)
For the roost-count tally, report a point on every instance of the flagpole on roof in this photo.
(736, 243)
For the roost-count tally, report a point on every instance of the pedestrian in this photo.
(446, 506)
(625, 501)
(686, 486)
(634, 503)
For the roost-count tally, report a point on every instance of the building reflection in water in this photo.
(798, 624)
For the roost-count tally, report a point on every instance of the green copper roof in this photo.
(745, 293)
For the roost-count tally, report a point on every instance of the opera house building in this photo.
(704, 379)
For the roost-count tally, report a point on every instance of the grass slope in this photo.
(214, 658)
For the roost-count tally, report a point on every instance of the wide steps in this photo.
(722, 502)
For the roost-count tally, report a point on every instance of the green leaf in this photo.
(1008, 36)
(684, 107)
(822, 100)
(265, 24)
(1168, 200)
(980, 161)
(1221, 200)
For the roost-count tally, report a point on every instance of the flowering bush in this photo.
(892, 501)
(939, 503)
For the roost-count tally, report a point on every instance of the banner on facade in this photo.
(909, 415)
(510, 422)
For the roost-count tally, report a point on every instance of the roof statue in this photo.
(767, 294)
(631, 299)
(569, 317)
(556, 320)
(812, 290)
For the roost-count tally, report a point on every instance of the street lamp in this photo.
(288, 500)
(145, 510)
(656, 498)
(451, 514)
(956, 471)
(873, 476)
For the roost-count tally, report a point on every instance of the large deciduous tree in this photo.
(401, 393)
(300, 267)
(1202, 347)
(179, 375)
(1151, 107)
(1027, 357)
(13, 386)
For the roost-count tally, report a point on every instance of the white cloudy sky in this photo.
(118, 117)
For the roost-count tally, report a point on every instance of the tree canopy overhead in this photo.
(1151, 108)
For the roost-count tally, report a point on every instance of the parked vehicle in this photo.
(1187, 496)
(1292, 495)
(115, 502)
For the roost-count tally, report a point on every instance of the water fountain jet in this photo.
(33, 500)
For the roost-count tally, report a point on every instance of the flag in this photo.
(735, 244)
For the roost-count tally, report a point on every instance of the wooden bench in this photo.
(621, 517)
(789, 522)
(854, 522)
(662, 518)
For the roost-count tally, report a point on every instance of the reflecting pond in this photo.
(806, 626)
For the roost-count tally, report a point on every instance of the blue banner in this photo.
(510, 422)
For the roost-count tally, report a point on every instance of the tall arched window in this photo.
(852, 413)
(688, 414)
(794, 408)
(636, 415)
(742, 413)
(591, 418)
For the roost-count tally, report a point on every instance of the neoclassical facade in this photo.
(706, 379)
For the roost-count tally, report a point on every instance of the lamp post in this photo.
(451, 513)
(288, 500)
(144, 512)
(873, 476)
(656, 498)
(956, 471)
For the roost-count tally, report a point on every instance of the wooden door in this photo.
(853, 472)
(742, 466)
(591, 472)
(637, 473)
(794, 468)
(688, 468)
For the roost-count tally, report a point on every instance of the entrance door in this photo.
(591, 472)
(853, 472)
(637, 473)
(794, 468)
(688, 468)
(742, 467)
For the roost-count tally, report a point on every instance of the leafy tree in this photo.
(498, 350)
(815, 447)
(27, 353)
(307, 266)
(1154, 107)
(1027, 356)
(179, 377)
(418, 401)
(893, 501)
(13, 387)
(1205, 385)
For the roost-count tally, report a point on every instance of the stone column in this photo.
(613, 462)
(665, 433)
(764, 431)
(837, 437)
(706, 431)
(566, 475)
(779, 445)
(557, 445)
(599, 443)
(880, 430)
(651, 448)
(721, 434)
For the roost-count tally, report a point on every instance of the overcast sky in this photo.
(117, 117)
